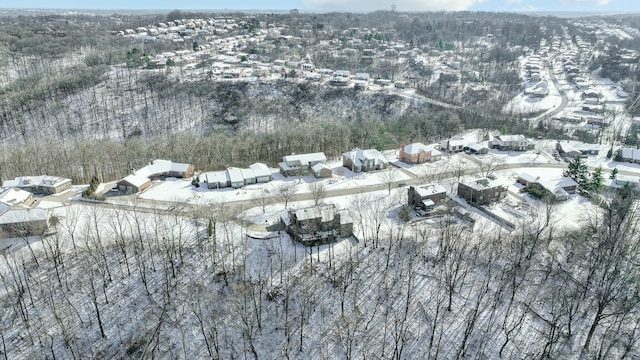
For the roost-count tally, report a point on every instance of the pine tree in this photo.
(614, 174)
(595, 182)
(577, 170)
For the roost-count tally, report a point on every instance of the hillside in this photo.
(112, 283)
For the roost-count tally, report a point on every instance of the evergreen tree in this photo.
(618, 156)
(578, 171)
(595, 182)
(614, 174)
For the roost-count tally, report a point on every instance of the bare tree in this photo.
(390, 176)
(286, 191)
(318, 191)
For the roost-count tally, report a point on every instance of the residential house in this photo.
(482, 191)
(511, 143)
(418, 153)
(476, 148)
(630, 155)
(455, 144)
(216, 179)
(559, 188)
(160, 169)
(14, 197)
(318, 225)
(257, 173)
(573, 149)
(236, 180)
(157, 169)
(133, 183)
(42, 184)
(364, 160)
(591, 95)
(427, 197)
(300, 165)
(262, 172)
(24, 221)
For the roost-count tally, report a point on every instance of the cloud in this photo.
(597, 2)
(401, 5)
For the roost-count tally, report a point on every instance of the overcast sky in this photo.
(339, 5)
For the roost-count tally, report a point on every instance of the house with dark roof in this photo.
(316, 225)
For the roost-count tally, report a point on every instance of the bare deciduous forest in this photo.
(110, 281)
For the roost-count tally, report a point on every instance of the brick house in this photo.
(418, 153)
(426, 197)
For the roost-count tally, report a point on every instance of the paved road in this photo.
(563, 102)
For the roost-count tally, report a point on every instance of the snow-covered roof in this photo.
(476, 147)
(135, 180)
(160, 166)
(417, 148)
(630, 153)
(304, 159)
(319, 166)
(557, 186)
(216, 177)
(510, 138)
(247, 174)
(570, 145)
(358, 156)
(324, 212)
(428, 202)
(528, 177)
(235, 175)
(41, 180)
(484, 183)
(345, 217)
(14, 196)
(14, 216)
(260, 169)
(430, 189)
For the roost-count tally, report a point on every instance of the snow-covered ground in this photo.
(181, 190)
